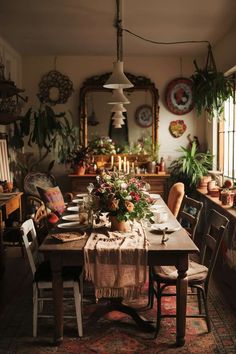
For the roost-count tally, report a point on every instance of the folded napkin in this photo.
(116, 263)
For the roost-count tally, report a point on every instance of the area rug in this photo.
(116, 332)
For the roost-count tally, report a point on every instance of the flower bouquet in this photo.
(122, 197)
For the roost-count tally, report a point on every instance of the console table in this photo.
(9, 203)
(158, 182)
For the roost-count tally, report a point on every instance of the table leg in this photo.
(181, 301)
(57, 289)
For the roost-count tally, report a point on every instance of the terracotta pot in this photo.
(80, 170)
(116, 225)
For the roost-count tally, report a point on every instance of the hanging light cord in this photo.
(164, 43)
(120, 29)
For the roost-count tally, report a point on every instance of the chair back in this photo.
(213, 237)
(175, 198)
(37, 179)
(31, 244)
(189, 215)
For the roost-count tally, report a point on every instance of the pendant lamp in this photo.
(118, 97)
(118, 107)
(118, 78)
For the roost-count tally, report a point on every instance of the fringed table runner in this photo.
(116, 262)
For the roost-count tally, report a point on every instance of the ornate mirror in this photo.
(142, 112)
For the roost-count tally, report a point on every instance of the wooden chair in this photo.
(175, 198)
(42, 278)
(199, 274)
(189, 215)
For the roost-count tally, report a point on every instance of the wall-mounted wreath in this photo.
(55, 88)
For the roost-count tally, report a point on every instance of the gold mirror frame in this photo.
(95, 83)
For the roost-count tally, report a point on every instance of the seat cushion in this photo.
(43, 273)
(53, 198)
(196, 273)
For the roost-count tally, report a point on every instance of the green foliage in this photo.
(210, 90)
(47, 131)
(190, 167)
(121, 196)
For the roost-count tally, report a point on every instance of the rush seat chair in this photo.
(199, 274)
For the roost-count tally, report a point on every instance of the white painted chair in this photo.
(42, 278)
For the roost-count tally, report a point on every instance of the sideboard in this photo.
(159, 182)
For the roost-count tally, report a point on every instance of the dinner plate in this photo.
(156, 207)
(155, 196)
(81, 195)
(71, 225)
(69, 236)
(77, 200)
(161, 227)
(73, 208)
(71, 217)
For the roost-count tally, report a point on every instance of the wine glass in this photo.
(90, 187)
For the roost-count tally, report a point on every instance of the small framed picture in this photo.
(143, 116)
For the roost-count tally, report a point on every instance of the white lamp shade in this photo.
(118, 121)
(118, 78)
(118, 97)
(118, 115)
(118, 107)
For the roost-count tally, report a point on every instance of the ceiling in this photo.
(85, 27)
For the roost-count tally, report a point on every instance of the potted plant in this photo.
(79, 159)
(190, 167)
(44, 130)
(211, 88)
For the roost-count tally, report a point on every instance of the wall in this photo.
(12, 62)
(79, 68)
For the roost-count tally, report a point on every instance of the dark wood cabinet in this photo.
(158, 182)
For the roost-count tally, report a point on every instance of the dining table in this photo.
(174, 251)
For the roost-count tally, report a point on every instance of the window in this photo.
(227, 141)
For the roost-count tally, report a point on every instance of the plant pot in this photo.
(80, 170)
(116, 225)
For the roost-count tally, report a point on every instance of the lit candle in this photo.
(127, 167)
(119, 163)
(125, 164)
(112, 161)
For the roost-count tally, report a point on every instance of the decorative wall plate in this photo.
(177, 128)
(143, 116)
(179, 96)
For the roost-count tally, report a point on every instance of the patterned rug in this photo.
(116, 332)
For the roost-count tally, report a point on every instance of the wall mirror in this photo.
(95, 112)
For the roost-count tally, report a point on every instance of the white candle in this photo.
(119, 163)
(112, 161)
(132, 167)
(127, 166)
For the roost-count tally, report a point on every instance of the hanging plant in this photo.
(211, 88)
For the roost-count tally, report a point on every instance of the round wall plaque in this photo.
(143, 116)
(179, 96)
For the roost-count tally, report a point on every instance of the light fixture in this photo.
(118, 97)
(118, 107)
(118, 78)
(11, 101)
(118, 119)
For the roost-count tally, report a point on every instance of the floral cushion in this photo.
(54, 199)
